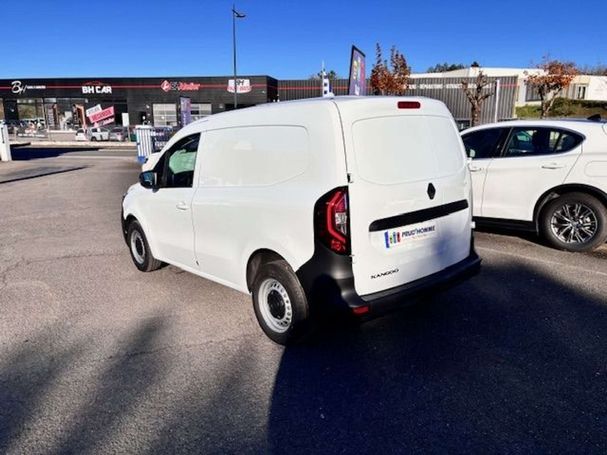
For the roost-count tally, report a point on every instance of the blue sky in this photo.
(288, 39)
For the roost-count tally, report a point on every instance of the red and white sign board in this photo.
(102, 115)
(93, 110)
(242, 86)
(107, 121)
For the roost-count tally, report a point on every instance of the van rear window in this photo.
(400, 149)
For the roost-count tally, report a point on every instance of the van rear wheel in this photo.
(280, 303)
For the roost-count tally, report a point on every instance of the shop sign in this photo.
(93, 110)
(242, 86)
(106, 121)
(168, 86)
(102, 115)
(18, 87)
(96, 88)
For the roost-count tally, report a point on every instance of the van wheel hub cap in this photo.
(275, 305)
(137, 247)
(574, 223)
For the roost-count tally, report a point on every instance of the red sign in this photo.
(180, 86)
(101, 115)
(188, 86)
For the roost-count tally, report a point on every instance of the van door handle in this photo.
(475, 168)
(182, 206)
(553, 166)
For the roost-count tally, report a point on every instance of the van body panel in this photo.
(271, 208)
(403, 161)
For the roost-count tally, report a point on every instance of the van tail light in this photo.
(331, 220)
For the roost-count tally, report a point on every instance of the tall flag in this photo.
(358, 83)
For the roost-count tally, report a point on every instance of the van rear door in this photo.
(409, 190)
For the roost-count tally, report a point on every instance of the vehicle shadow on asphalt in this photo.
(510, 361)
(33, 153)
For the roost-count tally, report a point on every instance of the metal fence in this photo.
(446, 89)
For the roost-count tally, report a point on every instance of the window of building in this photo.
(165, 114)
(581, 92)
(200, 110)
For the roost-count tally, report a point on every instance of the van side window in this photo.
(540, 141)
(176, 168)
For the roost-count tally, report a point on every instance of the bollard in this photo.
(5, 144)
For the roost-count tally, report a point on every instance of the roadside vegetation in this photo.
(564, 107)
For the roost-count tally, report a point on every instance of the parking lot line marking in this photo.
(543, 261)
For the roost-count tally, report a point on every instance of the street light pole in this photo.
(235, 15)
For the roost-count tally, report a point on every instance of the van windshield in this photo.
(390, 150)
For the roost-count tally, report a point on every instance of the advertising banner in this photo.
(93, 110)
(242, 85)
(357, 84)
(185, 110)
(102, 115)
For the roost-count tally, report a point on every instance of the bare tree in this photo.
(551, 82)
(390, 79)
(477, 95)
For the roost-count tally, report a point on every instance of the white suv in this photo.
(549, 176)
(99, 134)
(350, 204)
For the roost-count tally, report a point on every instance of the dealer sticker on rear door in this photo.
(394, 238)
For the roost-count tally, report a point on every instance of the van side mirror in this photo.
(472, 154)
(148, 179)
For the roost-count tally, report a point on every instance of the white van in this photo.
(346, 203)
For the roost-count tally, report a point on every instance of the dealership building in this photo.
(68, 103)
(65, 103)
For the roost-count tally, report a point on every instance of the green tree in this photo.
(331, 74)
(444, 67)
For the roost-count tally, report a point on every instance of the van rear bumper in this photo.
(328, 282)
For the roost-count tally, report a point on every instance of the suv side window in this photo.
(176, 168)
(540, 141)
(484, 143)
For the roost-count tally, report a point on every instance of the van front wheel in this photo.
(280, 303)
(140, 249)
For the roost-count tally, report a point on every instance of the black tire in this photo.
(275, 322)
(93, 139)
(592, 218)
(140, 249)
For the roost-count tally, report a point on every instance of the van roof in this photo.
(428, 105)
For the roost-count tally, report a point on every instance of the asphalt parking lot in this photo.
(98, 357)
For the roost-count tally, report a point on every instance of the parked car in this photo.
(99, 134)
(81, 135)
(119, 134)
(548, 176)
(350, 204)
